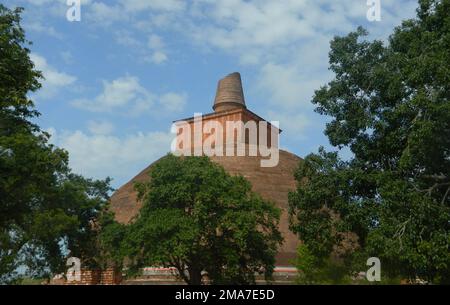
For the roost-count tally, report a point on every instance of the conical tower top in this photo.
(229, 95)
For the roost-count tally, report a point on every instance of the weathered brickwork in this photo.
(239, 134)
(229, 94)
(108, 276)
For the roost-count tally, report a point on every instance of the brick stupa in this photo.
(272, 183)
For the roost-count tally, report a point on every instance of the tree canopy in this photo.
(45, 209)
(196, 218)
(389, 104)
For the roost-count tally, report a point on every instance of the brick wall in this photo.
(108, 276)
(240, 135)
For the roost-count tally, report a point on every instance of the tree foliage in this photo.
(389, 103)
(196, 217)
(45, 209)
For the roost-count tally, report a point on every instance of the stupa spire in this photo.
(229, 95)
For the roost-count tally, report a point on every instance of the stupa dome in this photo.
(272, 183)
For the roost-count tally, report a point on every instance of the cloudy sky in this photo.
(117, 79)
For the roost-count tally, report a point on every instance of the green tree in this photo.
(45, 209)
(389, 104)
(313, 269)
(196, 217)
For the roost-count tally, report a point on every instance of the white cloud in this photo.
(99, 155)
(243, 24)
(160, 5)
(238, 26)
(39, 2)
(156, 44)
(126, 38)
(124, 91)
(54, 79)
(288, 86)
(105, 15)
(153, 51)
(100, 127)
(38, 27)
(157, 57)
(125, 94)
(45, 2)
(67, 56)
(294, 125)
(173, 102)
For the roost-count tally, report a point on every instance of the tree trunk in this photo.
(195, 275)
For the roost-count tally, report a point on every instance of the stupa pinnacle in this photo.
(229, 95)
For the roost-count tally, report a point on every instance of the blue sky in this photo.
(117, 79)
